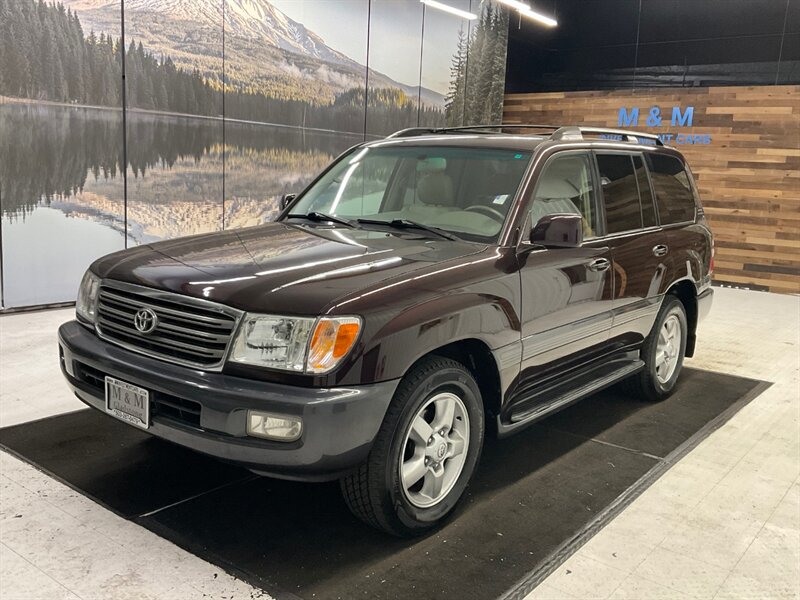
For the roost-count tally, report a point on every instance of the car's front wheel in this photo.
(425, 452)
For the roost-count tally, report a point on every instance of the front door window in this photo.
(565, 187)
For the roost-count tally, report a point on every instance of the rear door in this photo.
(638, 246)
(676, 202)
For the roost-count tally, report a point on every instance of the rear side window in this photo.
(645, 193)
(620, 192)
(674, 196)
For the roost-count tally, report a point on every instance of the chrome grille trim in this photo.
(191, 332)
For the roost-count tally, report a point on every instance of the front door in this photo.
(566, 292)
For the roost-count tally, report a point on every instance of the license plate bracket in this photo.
(128, 402)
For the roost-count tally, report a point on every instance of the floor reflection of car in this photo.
(424, 290)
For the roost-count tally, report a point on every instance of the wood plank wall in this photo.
(748, 176)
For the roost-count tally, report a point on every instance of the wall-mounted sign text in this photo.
(656, 117)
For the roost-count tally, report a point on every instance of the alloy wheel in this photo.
(668, 347)
(434, 450)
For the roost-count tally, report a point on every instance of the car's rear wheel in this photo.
(425, 452)
(662, 352)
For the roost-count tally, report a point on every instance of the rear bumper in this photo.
(704, 301)
(207, 411)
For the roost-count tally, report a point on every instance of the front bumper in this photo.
(207, 411)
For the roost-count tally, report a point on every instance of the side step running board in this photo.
(525, 417)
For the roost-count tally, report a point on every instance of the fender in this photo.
(425, 327)
(474, 297)
(690, 255)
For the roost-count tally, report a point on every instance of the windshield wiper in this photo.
(319, 216)
(406, 224)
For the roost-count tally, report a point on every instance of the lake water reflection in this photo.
(62, 196)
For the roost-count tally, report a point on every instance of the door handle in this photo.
(600, 264)
(660, 250)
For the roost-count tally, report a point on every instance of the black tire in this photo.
(646, 384)
(374, 492)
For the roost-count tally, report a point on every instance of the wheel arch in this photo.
(686, 291)
(478, 359)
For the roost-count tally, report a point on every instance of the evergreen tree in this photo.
(454, 101)
(497, 69)
(15, 67)
(477, 73)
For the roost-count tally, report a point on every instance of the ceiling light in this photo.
(446, 8)
(543, 19)
(520, 6)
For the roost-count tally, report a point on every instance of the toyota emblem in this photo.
(145, 320)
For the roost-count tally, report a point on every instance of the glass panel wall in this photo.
(289, 104)
(486, 64)
(445, 41)
(227, 106)
(395, 49)
(61, 188)
(173, 73)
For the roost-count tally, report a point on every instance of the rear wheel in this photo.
(662, 352)
(425, 452)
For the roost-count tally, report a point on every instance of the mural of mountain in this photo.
(291, 102)
(265, 51)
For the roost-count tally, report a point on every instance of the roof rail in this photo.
(414, 131)
(411, 132)
(559, 132)
(577, 133)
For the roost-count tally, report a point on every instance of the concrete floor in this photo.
(723, 523)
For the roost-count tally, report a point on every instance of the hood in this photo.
(278, 267)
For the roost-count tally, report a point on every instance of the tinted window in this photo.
(565, 187)
(620, 192)
(645, 193)
(674, 195)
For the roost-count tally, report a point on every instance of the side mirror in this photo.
(558, 231)
(286, 200)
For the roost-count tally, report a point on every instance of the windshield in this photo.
(464, 191)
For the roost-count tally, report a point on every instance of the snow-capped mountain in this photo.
(253, 19)
(262, 43)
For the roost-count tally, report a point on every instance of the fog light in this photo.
(274, 427)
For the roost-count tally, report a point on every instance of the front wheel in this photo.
(662, 352)
(425, 452)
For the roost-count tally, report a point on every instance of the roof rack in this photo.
(414, 131)
(577, 133)
(559, 132)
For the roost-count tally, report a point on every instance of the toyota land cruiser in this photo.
(423, 290)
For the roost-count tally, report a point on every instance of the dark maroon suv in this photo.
(423, 290)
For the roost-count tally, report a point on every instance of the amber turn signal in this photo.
(333, 338)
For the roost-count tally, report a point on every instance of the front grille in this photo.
(91, 376)
(189, 331)
(176, 409)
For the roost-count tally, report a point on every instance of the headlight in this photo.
(276, 342)
(86, 305)
(294, 343)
